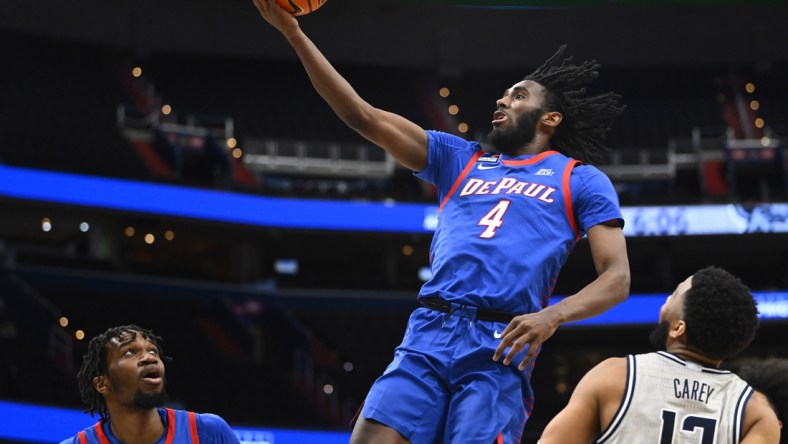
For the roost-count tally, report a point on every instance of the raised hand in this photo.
(277, 16)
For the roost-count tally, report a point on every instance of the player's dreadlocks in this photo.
(586, 119)
(94, 363)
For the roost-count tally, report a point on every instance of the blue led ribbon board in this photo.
(237, 208)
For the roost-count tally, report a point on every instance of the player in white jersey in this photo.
(677, 395)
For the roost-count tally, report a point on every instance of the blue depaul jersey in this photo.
(181, 427)
(507, 225)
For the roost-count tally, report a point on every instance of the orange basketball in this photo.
(300, 7)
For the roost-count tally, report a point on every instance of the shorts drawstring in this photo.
(469, 312)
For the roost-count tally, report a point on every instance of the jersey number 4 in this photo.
(690, 423)
(493, 219)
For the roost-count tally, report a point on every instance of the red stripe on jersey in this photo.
(529, 406)
(500, 439)
(570, 213)
(530, 161)
(82, 438)
(100, 434)
(170, 426)
(193, 428)
(462, 175)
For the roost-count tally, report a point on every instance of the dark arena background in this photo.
(167, 163)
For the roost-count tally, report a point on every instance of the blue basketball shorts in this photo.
(443, 386)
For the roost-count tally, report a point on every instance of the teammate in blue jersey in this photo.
(508, 220)
(122, 378)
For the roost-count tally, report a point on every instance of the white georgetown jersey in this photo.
(672, 401)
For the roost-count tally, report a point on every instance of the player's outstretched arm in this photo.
(403, 139)
(592, 405)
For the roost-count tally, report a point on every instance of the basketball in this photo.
(300, 7)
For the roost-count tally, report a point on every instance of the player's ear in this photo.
(101, 384)
(678, 330)
(552, 119)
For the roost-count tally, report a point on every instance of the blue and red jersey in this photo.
(181, 427)
(507, 225)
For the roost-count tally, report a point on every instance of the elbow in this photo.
(616, 282)
(356, 122)
(621, 281)
(359, 118)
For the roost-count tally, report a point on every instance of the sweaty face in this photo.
(135, 372)
(516, 115)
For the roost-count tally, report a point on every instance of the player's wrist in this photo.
(555, 316)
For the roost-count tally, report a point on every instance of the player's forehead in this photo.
(527, 85)
(127, 337)
(685, 285)
(677, 297)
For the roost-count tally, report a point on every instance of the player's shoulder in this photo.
(75, 439)
(590, 177)
(614, 364)
(760, 420)
(210, 421)
(210, 418)
(609, 374)
(585, 170)
(607, 370)
(451, 140)
(606, 380)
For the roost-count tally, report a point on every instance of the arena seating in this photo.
(82, 87)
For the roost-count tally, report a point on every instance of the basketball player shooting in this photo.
(508, 220)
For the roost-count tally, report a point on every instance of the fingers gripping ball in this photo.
(300, 7)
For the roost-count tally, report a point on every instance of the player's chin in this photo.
(146, 399)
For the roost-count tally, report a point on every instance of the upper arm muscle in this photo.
(608, 248)
(598, 392)
(400, 137)
(760, 424)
